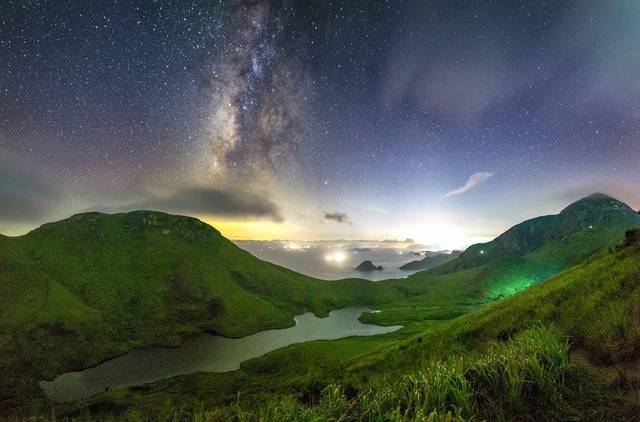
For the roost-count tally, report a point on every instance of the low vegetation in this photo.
(567, 348)
(76, 292)
(79, 291)
(509, 380)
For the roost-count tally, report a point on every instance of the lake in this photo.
(205, 352)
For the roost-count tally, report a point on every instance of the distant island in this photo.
(431, 261)
(368, 266)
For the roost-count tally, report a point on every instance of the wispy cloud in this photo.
(473, 181)
(338, 217)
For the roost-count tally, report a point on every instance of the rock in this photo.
(368, 266)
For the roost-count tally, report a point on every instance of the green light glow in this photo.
(507, 289)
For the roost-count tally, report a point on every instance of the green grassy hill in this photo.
(597, 212)
(79, 291)
(567, 348)
(522, 256)
(594, 307)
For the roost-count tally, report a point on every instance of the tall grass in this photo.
(504, 383)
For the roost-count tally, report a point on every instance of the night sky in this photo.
(445, 122)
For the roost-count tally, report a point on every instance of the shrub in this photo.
(631, 237)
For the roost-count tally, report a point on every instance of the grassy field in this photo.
(567, 348)
(79, 291)
(76, 292)
(522, 256)
(432, 295)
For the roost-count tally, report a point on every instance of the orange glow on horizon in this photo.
(251, 230)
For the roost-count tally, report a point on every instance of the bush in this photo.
(631, 237)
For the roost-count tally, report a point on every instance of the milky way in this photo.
(256, 112)
(413, 119)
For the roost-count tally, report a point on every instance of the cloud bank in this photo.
(209, 201)
(473, 181)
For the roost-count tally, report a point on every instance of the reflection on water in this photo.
(205, 352)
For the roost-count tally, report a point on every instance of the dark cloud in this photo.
(338, 217)
(24, 195)
(216, 202)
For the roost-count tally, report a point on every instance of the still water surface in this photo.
(206, 352)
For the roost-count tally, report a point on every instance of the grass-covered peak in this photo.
(130, 222)
(598, 209)
(93, 286)
(596, 213)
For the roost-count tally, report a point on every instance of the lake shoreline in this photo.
(206, 352)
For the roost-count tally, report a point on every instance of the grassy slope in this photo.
(76, 292)
(596, 304)
(595, 307)
(596, 212)
(525, 254)
(432, 295)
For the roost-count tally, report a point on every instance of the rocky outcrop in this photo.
(368, 266)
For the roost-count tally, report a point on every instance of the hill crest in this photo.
(597, 212)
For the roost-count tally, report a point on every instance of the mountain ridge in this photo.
(589, 213)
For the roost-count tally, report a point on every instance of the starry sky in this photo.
(441, 121)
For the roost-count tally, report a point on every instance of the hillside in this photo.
(567, 348)
(79, 291)
(76, 292)
(596, 212)
(522, 256)
(594, 308)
